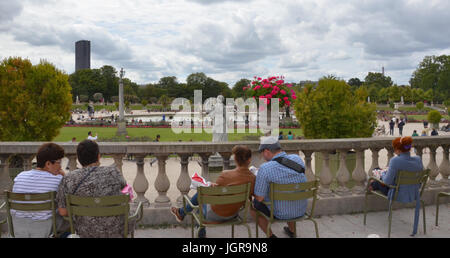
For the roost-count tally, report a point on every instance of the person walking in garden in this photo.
(400, 127)
(391, 127)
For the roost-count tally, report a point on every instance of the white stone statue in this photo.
(220, 125)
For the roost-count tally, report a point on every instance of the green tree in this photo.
(35, 100)
(331, 110)
(378, 80)
(420, 105)
(238, 88)
(433, 73)
(434, 116)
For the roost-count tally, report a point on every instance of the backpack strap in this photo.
(290, 164)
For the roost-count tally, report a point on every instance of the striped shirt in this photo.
(35, 181)
(273, 171)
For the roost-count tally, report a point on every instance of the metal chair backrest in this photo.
(293, 192)
(220, 195)
(29, 202)
(411, 178)
(104, 206)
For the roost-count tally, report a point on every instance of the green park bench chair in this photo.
(403, 178)
(44, 202)
(3, 221)
(219, 195)
(291, 192)
(104, 206)
(439, 195)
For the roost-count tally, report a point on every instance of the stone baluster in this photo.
(359, 175)
(118, 161)
(390, 150)
(5, 180)
(375, 156)
(27, 161)
(419, 151)
(342, 175)
(444, 168)
(72, 161)
(204, 164)
(162, 182)
(140, 184)
(325, 176)
(433, 167)
(308, 170)
(184, 180)
(226, 159)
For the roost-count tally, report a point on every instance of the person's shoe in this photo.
(288, 232)
(202, 233)
(176, 212)
(273, 236)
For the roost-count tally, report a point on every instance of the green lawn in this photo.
(167, 135)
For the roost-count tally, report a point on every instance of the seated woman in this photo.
(240, 175)
(93, 180)
(46, 177)
(403, 161)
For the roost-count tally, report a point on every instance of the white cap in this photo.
(269, 142)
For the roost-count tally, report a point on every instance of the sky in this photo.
(230, 39)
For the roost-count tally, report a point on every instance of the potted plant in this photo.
(434, 117)
(331, 110)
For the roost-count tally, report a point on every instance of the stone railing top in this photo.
(209, 147)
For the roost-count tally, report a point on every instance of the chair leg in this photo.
(390, 220)
(268, 229)
(192, 226)
(315, 227)
(257, 226)
(232, 231)
(365, 208)
(424, 220)
(437, 209)
(249, 231)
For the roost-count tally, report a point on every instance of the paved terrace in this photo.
(160, 184)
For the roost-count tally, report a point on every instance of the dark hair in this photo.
(89, 133)
(241, 154)
(87, 152)
(49, 152)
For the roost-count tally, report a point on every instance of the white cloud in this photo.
(230, 39)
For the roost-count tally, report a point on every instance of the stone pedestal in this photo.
(121, 128)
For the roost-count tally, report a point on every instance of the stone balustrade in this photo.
(328, 194)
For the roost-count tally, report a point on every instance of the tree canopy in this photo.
(35, 100)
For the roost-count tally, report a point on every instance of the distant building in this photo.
(82, 55)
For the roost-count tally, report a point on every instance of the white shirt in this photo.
(92, 138)
(35, 181)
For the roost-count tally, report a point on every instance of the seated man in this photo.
(272, 171)
(45, 178)
(93, 180)
(240, 175)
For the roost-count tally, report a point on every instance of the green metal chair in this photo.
(291, 192)
(4, 220)
(219, 195)
(45, 202)
(403, 178)
(104, 206)
(441, 194)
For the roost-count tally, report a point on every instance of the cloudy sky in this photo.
(230, 39)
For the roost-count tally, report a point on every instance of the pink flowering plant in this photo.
(272, 87)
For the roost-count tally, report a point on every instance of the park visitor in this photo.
(403, 161)
(93, 180)
(273, 171)
(90, 137)
(46, 177)
(434, 132)
(240, 175)
(391, 127)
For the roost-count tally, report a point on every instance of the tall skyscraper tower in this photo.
(82, 55)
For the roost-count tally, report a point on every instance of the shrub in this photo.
(331, 110)
(420, 105)
(434, 116)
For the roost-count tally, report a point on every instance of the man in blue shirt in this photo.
(272, 171)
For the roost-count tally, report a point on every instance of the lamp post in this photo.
(121, 124)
